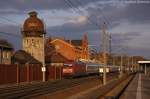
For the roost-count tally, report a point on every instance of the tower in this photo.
(33, 33)
(85, 54)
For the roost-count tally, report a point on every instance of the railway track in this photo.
(118, 88)
(26, 92)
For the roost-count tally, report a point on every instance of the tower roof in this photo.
(5, 44)
(33, 26)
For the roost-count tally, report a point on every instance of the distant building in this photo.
(6, 51)
(72, 50)
(33, 32)
(80, 47)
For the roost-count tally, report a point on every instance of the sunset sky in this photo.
(127, 21)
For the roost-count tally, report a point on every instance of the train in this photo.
(76, 69)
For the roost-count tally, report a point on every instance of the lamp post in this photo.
(104, 46)
(43, 62)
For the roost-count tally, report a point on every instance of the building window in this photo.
(32, 40)
(27, 41)
(7, 55)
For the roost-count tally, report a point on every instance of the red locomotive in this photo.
(72, 69)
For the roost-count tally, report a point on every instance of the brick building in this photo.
(70, 49)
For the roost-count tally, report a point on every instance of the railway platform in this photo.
(139, 88)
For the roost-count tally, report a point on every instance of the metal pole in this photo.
(145, 70)
(138, 67)
(128, 64)
(44, 67)
(104, 68)
(104, 54)
(121, 66)
(110, 44)
(141, 68)
(132, 63)
(113, 60)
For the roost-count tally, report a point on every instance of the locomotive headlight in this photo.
(107, 70)
(70, 65)
(101, 70)
(67, 70)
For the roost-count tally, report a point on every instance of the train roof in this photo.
(93, 64)
(101, 65)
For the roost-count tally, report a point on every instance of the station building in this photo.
(6, 52)
(71, 50)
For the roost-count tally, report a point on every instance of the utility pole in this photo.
(104, 48)
(128, 64)
(121, 66)
(110, 43)
(132, 63)
(111, 57)
(43, 67)
(113, 60)
(43, 61)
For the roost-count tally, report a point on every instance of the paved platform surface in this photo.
(139, 88)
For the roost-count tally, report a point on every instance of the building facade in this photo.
(33, 36)
(64, 48)
(6, 51)
(71, 49)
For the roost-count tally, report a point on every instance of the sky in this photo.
(128, 21)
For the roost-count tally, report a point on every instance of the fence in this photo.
(14, 73)
(8, 74)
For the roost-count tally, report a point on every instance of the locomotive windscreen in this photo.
(67, 64)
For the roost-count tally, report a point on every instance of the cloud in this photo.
(112, 14)
(12, 34)
(12, 29)
(139, 52)
(25, 5)
(135, 40)
(82, 19)
(78, 26)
